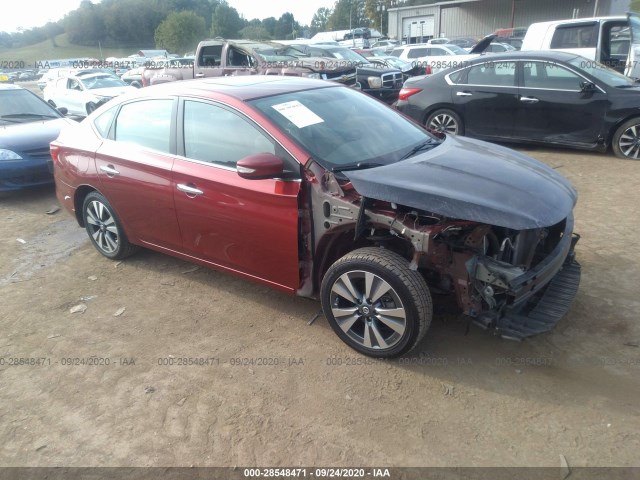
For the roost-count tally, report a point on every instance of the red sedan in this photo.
(281, 181)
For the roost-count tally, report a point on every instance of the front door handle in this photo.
(529, 99)
(189, 190)
(199, 75)
(463, 94)
(109, 170)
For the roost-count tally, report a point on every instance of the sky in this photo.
(35, 13)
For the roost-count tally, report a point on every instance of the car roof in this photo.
(580, 20)
(527, 55)
(241, 87)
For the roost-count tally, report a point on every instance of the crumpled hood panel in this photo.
(473, 180)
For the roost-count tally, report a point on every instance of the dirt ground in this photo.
(109, 387)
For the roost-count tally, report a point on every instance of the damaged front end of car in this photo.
(502, 245)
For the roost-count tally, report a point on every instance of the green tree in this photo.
(320, 19)
(255, 32)
(286, 27)
(226, 21)
(180, 31)
(347, 13)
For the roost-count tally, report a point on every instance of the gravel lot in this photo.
(274, 391)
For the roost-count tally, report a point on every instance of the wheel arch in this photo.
(614, 128)
(440, 106)
(78, 200)
(331, 247)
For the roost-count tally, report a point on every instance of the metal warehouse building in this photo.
(476, 18)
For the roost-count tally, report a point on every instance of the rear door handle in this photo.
(189, 190)
(109, 170)
(529, 99)
(463, 94)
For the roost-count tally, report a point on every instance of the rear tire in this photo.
(375, 303)
(626, 140)
(445, 121)
(104, 228)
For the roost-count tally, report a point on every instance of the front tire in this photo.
(375, 303)
(626, 140)
(445, 121)
(104, 228)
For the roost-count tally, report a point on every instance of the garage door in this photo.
(418, 29)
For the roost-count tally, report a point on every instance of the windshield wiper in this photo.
(23, 115)
(357, 166)
(421, 146)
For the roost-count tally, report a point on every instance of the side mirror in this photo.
(261, 165)
(136, 84)
(586, 87)
(62, 110)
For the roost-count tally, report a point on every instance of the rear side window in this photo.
(146, 123)
(104, 120)
(396, 52)
(501, 74)
(418, 52)
(575, 36)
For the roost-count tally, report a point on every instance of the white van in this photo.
(607, 40)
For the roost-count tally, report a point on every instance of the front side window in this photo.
(146, 123)
(550, 76)
(216, 135)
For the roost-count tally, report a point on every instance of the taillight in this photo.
(427, 70)
(405, 93)
(55, 150)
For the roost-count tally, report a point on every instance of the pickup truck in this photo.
(377, 80)
(611, 41)
(220, 57)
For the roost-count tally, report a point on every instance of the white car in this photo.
(435, 57)
(81, 95)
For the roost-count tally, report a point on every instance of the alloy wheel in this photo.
(102, 227)
(368, 310)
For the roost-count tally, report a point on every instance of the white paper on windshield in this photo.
(298, 114)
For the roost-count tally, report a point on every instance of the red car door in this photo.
(246, 226)
(138, 154)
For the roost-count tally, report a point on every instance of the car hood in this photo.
(32, 135)
(473, 180)
(482, 45)
(112, 91)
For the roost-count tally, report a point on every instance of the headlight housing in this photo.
(9, 155)
(374, 82)
(312, 75)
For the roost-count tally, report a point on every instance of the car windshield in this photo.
(602, 73)
(346, 54)
(457, 50)
(397, 62)
(334, 125)
(22, 106)
(102, 81)
(274, 54)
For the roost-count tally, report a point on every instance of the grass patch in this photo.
(63, 49)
